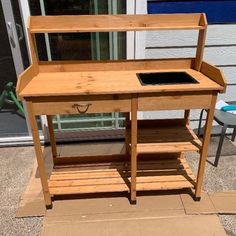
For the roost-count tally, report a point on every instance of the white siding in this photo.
(220, 50)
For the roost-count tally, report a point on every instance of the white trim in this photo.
(16, 51)
(18, 141)
(140, 37)
(130, 10)
(25, 13)
(11, 30)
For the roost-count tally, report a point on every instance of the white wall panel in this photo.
(216, 35)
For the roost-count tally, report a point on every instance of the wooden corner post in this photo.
(134, 131)
(39, 154)
(204, 150)
(52, 138)
(201, 42)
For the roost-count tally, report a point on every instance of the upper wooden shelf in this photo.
(108, 23)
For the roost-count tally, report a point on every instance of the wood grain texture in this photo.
(205, 145)
(175, 101)
(107, 23)
(39, 154)
(107, 82)
(82, 107)
(171, 136)
(52, 137)
(76, 66)
(154, 175)
(24, 78)
(200, 43)
(133, 139)
(214, 73)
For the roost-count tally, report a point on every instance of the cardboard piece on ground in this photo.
(178, 226)
(205, 206)
(116, 208)
(224, 202)
(32, 201)
(115, 205)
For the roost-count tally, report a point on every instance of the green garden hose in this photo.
(8, 96)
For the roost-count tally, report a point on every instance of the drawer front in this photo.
(82, 106)
(174, 102)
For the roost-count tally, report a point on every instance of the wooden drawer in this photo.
(173, 101)
(83, 105)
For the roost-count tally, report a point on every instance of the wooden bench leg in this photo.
(127, 138)
(39, 155)
(52, 138)
(134, 108)
(204, 150)
(186, 116)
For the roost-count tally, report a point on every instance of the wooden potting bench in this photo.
(155, 148)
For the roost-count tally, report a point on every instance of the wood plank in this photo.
(24, 78)
(163, 186)
(119, 188)
(82, 107)
(115, 174)
(109, 167)
(118, 180)
(133, 139)
(116, 65)
(108, 23)
(200, 43)
(159, 138)
(170, 147)
(173, 101)
(39, 154)
(214, 73)
(205, 145)
(52, 138)
(101, 82)
(187, 116)
(89, 189)
(127, 122)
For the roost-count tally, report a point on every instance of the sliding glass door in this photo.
(13, 60)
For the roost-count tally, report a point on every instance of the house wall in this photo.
(220, 50)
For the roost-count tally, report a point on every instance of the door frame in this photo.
(18, 65)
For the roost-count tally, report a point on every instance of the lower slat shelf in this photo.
(151, 175)
(165, 136)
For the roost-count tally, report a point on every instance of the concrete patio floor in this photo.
(15, 170)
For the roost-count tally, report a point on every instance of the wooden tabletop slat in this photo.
(108, 23)
(107, 82)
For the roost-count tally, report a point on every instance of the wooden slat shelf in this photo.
(152, 175)
(166, 136)
(108, 23)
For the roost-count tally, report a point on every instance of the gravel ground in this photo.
(16, 166)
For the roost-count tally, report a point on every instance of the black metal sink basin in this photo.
(165, 78)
